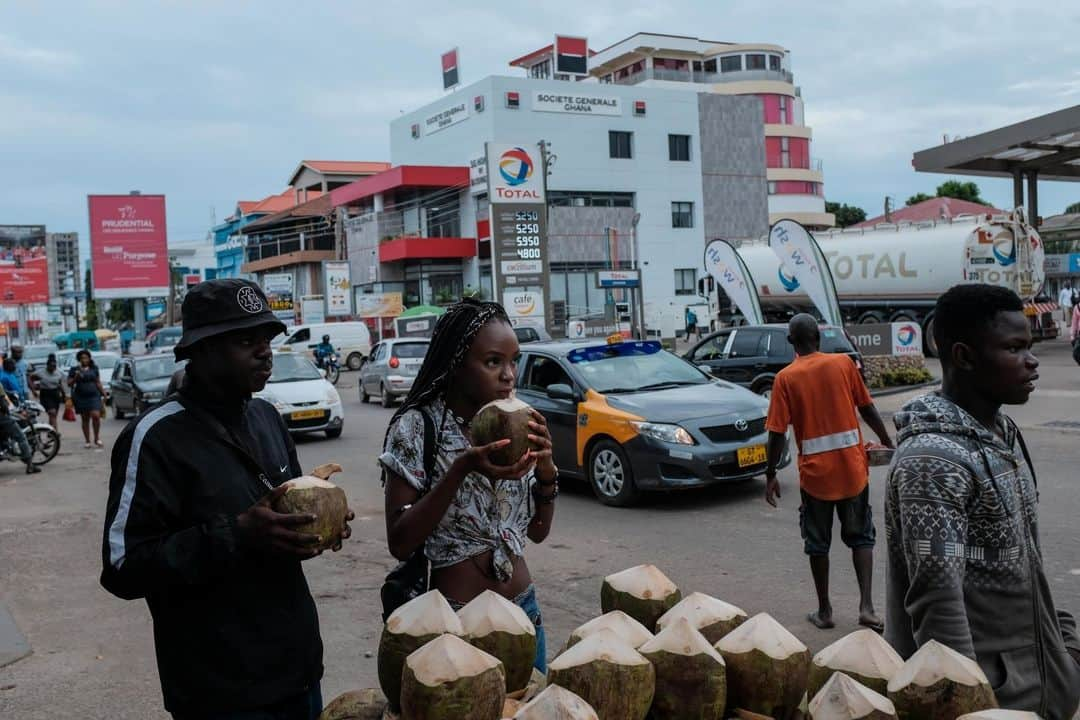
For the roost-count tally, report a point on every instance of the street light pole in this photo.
(639, 292)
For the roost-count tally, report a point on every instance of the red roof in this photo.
(399, 177)
(346, 167)
(317, 205)
(277, 203)
(245, 206)
(535, 54)
(939, 208)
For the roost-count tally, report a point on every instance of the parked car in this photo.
(392, 368)
(752, 355)
(163, 340)
(531, 334)
(352, 340)
(628, 416)
(139, 382)
(308, 403)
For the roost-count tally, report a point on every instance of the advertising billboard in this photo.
(128, 246)
(337, 278)
(526, 309)
(24, 266)
(377, 305)
(279, 293)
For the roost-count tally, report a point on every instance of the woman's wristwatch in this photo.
(546, 492)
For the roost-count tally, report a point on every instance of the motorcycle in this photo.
(330, 365)
(43, 438)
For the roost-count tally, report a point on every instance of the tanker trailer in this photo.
(894, 273)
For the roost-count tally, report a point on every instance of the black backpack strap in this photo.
(1024, 450)
(430, 447)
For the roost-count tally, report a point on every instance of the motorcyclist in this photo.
(9, 428)
(323, 350)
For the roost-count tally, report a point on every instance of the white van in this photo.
(351, 339)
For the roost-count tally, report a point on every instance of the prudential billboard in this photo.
(128, 246)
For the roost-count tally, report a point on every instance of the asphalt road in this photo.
(93, 654)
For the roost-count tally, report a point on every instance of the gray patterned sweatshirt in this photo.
(964, 564)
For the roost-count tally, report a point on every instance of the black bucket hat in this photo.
(216, 307)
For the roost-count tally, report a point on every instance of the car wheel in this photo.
(764, 389)
(386, 399)
(611, 476)
(354, 362)
(334, 433)
(117, 411)
(364, 397)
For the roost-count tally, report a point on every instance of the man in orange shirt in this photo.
(818, 395)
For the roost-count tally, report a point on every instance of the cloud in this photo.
(11, 50)
(1062, 87)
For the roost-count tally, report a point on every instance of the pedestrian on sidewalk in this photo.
(49, 383)
(1065, 300)
(965, 566)
(21, 372)
(190, 527)
(691, 324)
(88, 396)
(1074, 335)
(822, 396)
(445, 498)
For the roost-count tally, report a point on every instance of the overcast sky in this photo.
(213, 102)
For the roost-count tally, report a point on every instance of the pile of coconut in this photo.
(652, 655)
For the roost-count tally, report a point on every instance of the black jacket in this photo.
(233, 629)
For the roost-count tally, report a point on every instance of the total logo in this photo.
(905, 335)
(516, 168)
(1005, 251)
(790, 282)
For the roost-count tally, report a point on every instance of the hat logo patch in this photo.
(249, 300)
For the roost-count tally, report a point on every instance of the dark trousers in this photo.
(305, 706)
(10, 429)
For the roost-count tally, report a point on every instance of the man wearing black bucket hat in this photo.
(189, 525)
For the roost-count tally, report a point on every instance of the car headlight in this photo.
(332, 397)
(674, 434)
(270, 398)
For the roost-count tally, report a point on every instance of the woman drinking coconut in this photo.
(470, 516)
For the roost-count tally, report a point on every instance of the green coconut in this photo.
(501, 628)
(503, 420)
(842, 698)
(355, 705)
(766, 667)
(321, 498)
(449, 679)
(409, 628)
(634, 633)
(642, 592)
(614, 678)
(863, 654)
(556, 703)
(691, 681)
(711, 617)
(999, 715)
(938, 683)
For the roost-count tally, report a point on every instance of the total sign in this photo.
(514, 174)
(906, 339)
(526, 309)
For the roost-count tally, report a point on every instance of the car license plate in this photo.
(753, 455)
(308, 414)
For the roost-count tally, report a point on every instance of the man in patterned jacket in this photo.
(961, 510)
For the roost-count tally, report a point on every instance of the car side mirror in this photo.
(561, 391)
(705, 368)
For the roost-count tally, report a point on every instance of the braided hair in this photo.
(450, 343)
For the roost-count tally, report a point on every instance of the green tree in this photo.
(846, 215)
(961, 191)
(91, 303)
(918, 198)
(1072, 209)
(120, 311)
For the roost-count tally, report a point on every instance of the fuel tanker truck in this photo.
(895, 273)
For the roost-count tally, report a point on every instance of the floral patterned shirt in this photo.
(484, 515)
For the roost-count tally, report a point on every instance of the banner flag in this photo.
(802, 258)
(723, 262)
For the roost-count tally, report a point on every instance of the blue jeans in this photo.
(527, 602)
(305, 706)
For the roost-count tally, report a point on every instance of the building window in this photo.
(620, 144)
(783, 110)
(755, 62)
(785, 153)
(678, 148)
(682, 214)
(774, 62)
(606, 79)
(710, 65)
(580, 198)
(732, 63)
(685, 281)
(541, 70)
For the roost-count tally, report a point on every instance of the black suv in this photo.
(751, 355)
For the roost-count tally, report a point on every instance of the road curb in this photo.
(13, 645)
(900, 390)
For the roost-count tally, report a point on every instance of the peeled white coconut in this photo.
(449, 679)
(938, 683)
(323, 499)
(501, 628)
(614, 678)
(556, 703)
(842, 698)
(999, 715)
(409, 628)
(713, 618)
(864, 655)
(503, 420)
(642, 592)
(691, 680)
(626, 627)
(767, 667)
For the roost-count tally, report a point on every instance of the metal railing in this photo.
(703, 77)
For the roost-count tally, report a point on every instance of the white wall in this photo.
(796, 203)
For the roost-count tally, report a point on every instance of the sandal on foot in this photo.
(817, 622)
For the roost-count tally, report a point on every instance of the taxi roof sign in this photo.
(622, 348)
